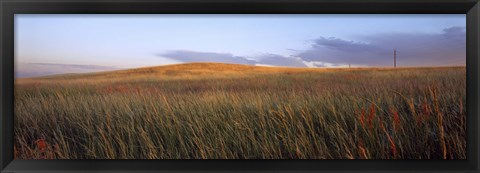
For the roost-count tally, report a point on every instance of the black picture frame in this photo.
(8, 8)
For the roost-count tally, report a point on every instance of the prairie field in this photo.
(226, 111)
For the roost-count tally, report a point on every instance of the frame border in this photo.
(8, 8)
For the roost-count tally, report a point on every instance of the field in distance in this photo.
(227, 111)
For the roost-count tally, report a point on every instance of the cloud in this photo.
(316, 64)
(342, 45)
(264, 59)
(419, 49)
(279, 60)
(23, 70)
(89, 67)
(192, 56)
(446, 48)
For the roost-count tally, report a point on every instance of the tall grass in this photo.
(285, 114)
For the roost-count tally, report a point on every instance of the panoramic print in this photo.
(168, 86)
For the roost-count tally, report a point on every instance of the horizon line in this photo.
(262, 66)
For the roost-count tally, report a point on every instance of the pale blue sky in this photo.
(51, 44)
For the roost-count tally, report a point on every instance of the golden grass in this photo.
(225, 111)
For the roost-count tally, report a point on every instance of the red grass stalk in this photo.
(362, 118)
(418, 119)
(41, 145)
(371, 116)
(426, 112)
(396, 119)
(426, 109)
(361, 148)
(393, 147)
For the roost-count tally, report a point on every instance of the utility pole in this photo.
(394, 58)
(348, 65)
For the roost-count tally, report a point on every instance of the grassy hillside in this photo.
(226, 111)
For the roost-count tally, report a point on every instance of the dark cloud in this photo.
(342, 45)
(454, 32)
(442, 49)
(191, 56)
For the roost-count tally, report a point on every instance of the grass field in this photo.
(224, 111)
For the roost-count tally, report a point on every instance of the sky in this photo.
(47, 44)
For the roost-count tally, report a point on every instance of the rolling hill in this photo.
(202, 70)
